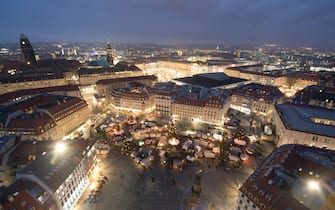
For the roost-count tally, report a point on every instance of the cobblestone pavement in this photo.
(130, 187)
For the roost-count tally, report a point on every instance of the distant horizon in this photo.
(221, 45)
(295, 23)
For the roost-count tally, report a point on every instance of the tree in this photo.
(240, 134)
(172, 129)
(101, 134)
(125, 147)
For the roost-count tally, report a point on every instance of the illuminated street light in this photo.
(96, 171)
(93, 186)
(313, 185)
(60, 147)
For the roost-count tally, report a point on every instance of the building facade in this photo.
(21, 95)
(33, 83)
(206, 110)
(137, 98)
(163, 102)
(43, 117)
(64, 175)
(305, 125)
(89, 76)
(104, 87)
(256, 98)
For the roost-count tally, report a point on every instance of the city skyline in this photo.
(298, 23)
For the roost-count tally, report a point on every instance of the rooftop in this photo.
(23, 194)
(38, 113)
(117, 68)
(125, 79)
(281, 181)
(305, 118)
(313, 93)
(9, 97)
(53, 169)
(257, 91)
(210, 80)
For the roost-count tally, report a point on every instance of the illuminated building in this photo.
(46, 73)
(308, 125)
(20, 95)
(63, 174)
(254, 73)
(109, 55)
(318, 96)
(89, 76)
(165, 94)
(168, 70)
(7, 143)
(292, 177)
(30, 82)
(204, 110)
(256, 98)
(27, 50)
(43, 116)
(282, 78)
(24, 194)
(104, 87)
(135, 98)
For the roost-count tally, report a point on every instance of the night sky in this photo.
(287, 22)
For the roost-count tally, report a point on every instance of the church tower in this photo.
(27, 50)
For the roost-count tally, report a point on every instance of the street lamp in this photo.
(60, 147)
(313, 185)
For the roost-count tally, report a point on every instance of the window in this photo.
(267, 198)
(262, 206)
(256, 200)
(315, 138)
(23, 203)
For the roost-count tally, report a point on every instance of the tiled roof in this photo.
(125, 79)
(36, 112)
(272, 181)
(8, 97)
(53, 169)
(257, 91)
(297, 117)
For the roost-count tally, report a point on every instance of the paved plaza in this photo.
(131, 187)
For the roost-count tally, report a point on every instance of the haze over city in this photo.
(290, 23)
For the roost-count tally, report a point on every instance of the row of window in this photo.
(255, 198)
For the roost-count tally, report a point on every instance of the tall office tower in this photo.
(27, 50)
(109, 54)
